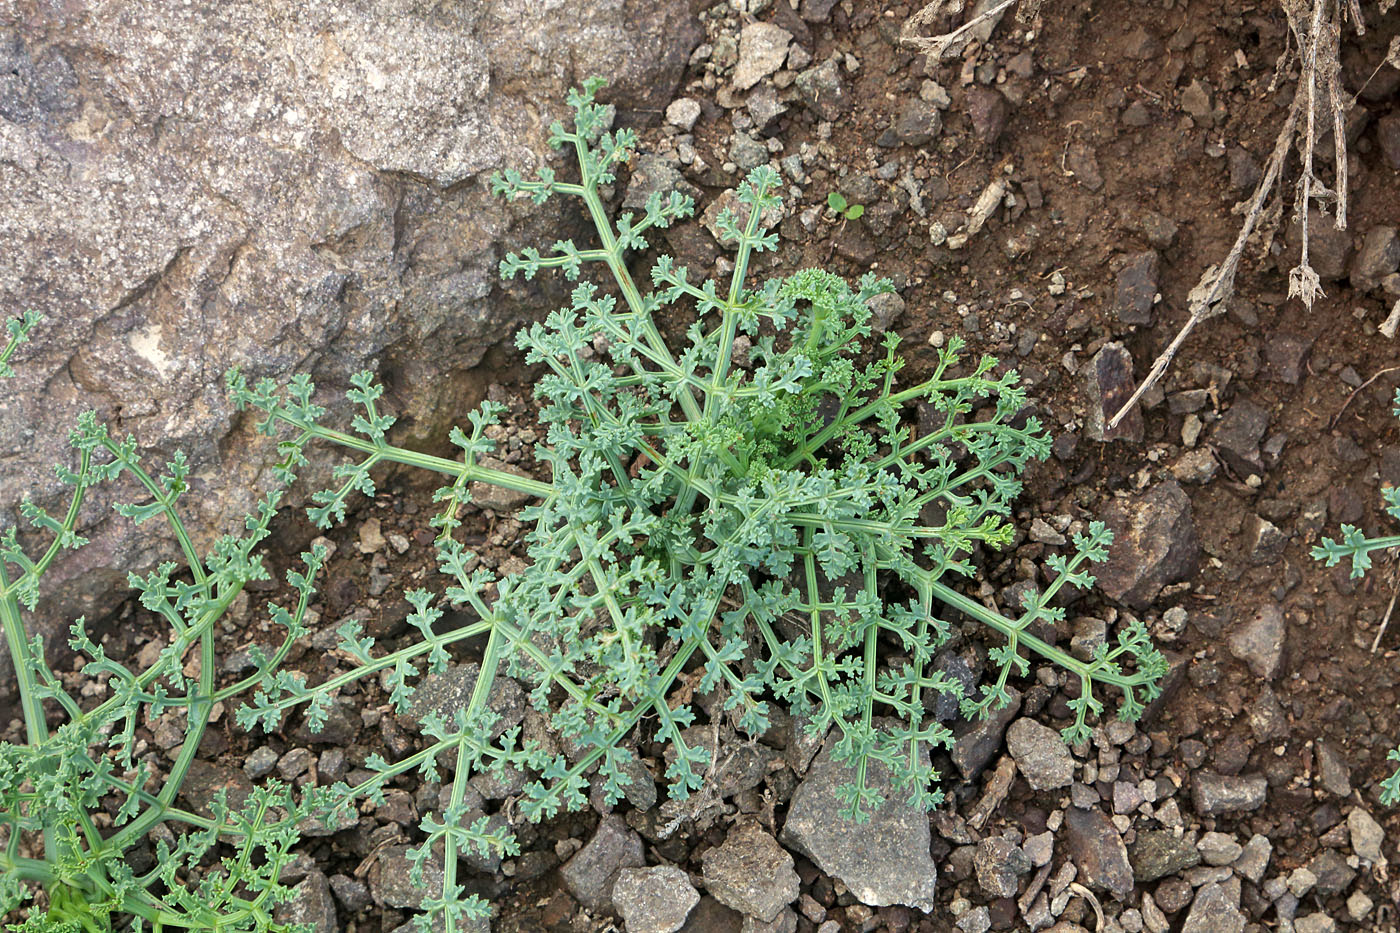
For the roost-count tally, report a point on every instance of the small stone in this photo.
(1040, 754)
(751, 873)
(654, 900)
(1096, 848)
(1333, 770)
(593, 870)
(1244, 168)
(1195, 467)
(390, 884)
(1366, 835)
(1333, 873)
(1388, 135)
(1136, 288)
(1378, 257)
(1139, 45)
(259, 762)
(1214, 911)
(294, 763)
(1329, 249)
(1213, 794)
(1219, 848)
(1254, 858)
(1238, 435)
(498, 498)
(1154, 545)
(311, 904)
(988, 111)
(1158, 853)
(371, 537)
(682, 113)
(822, 91)
(1108, 384)
(1286, 355)
(1259, 641)
(976, 920)
(885, 309)
(746, 152)
(1359, 906)
(883, 861)
(979, 740)
(1195, 100)
(1315, 923)
(1267, 719)
(762, 48)
(1263, 539)
(999, 864)
(918, 123)
(352, 894)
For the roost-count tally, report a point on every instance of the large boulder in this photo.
(282, 185)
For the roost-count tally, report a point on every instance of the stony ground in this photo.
(1116, 138)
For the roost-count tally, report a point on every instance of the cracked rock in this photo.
(751, 873)
(654, 900)
(883, 861)
(1040, 754)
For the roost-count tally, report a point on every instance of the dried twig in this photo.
(936, 46)
(1385, 621)
(1356, 391)
(1218, 282)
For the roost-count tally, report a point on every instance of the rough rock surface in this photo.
(592, 872)
(1154, 544)
(654, 900)
(279, 186)
(883, 861)
(751, 873)
(1041, 755)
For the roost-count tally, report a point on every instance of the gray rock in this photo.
(785, 922)
(980, 739)
(450, 691)
(885, 309)
(762, 48)
(282, 186)
(1366, 835)
(1285, 355)
(1259, 641)
(1157, 853)
(883, 861)
(1154, 544)
(1108, 384)
(747, 152)
(1378, 256)
(1333, 770)
(918, 123)
(1041, 755)
(1254, 858)
(1264, 540)
(765, 108)
(1238, 434)
(1213, 794)
(260, 761)
(390, 884)
(1388, 135)
(1267, 719)
(1219, 848)
(593, 870)
(1136, 288)
(1333, 873)
(751, 873)
(999, 864)
(710, 916)
(682, 113)
(1096, 849)
(822, 91)
(311, 904)
(1214, 911)
(654, 900)
(352, 894)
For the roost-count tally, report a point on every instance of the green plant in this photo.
(1357, 548)
(79, 796)
(769, 529)
(837, 202)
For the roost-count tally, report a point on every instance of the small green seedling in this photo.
(837, 202)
